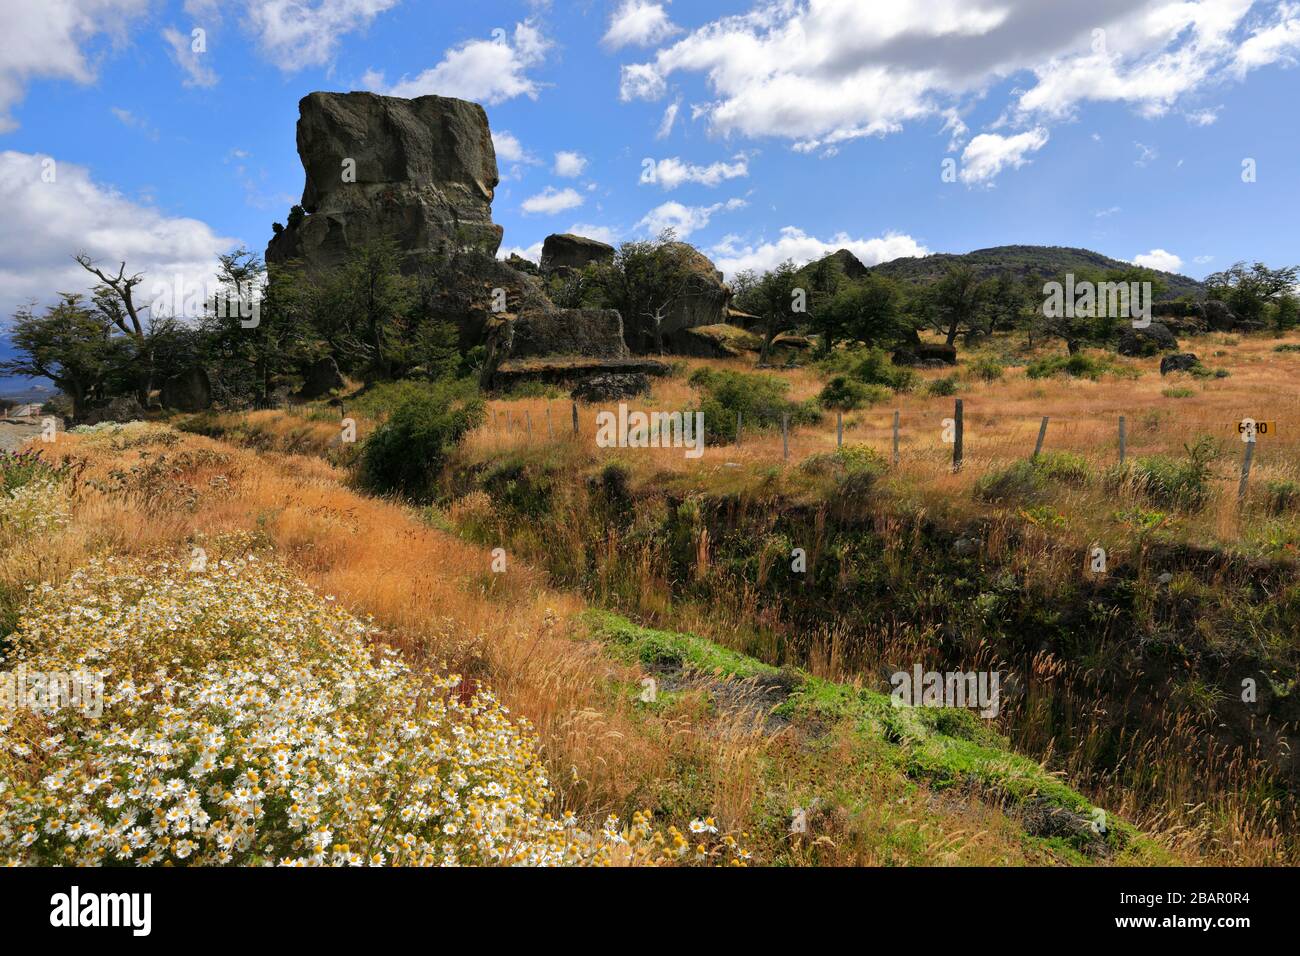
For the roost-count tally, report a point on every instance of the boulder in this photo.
(612, 387)
(320, 378)
(570, 252)
(715, 341)
(1152, 340)
(594, 333)
(189, 391)
(925, 353)
(702, 299)
(1183, 362)
(419, 172)
(1219, 316)
(120, 409)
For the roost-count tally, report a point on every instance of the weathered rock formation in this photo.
(569, 252)
(1152, 340)
(419, 172)
(320, 378)
(1183, 362)
(190, 391)
(701, 299)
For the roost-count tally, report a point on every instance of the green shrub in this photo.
(406, 453)
(987, 369)
(854, 467)
(381, 401)
(943, 386)
(759, 399)
(1281, 496)
(1031, 480)
(1171, 482)
(22, 468)
(875, 368)
(1076, 366)
(1288, 347)
(846, 394)
(1178, 392)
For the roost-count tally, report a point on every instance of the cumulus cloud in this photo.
(569, 165)
(1159, 259)
(826, 72)
(551, 200)
(801, 248)
(684, 220)
(51, 40)
(509, 149)
(988, 154)
(485, 71)
(671, 173)
(46, 223)
(639, 23)
(295, 34)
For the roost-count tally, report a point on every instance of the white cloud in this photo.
(1205, 117)
(509, 149)
(684, 220)
(532, 253)
(669, 120)
(603, 234)
(295, 34)
(49, 40)
(988, 154)
(551, 200)
(47, 223)
(569, 165)
(1146, 154)
(801, 248)
(671, 173)
(834, 70)
(1276, 42)
(1159, 259)
(485, 71)
(639, 23)
(180, 47)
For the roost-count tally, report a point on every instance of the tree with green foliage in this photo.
(870, 311)
(643, 282)
(1255, 293)
(74, 346)
(956, 303)
(779, 298)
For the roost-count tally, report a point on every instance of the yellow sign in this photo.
(1249, 429)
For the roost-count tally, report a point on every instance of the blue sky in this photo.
(796, 128)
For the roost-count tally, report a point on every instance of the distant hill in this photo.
(1048, 262)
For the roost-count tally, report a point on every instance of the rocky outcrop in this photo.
(612, 388)
(320, 378)
(1183, 362)
(1152, 340)
(701, 298)
(190, 391)
(419, 172)
(716, 341)
(594, 333)
(1219, 316)
(565, 252)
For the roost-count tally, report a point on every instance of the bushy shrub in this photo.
(1281, 497)
(845, 394)
(987, 369)
(943, 386)
(406, 453)
(875, 368)
(759, 399)
(855, 468)
(1031, 480)
(1168, 481)
(1076, 366)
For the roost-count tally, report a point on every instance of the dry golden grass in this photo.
(1002, 420)
(438, 599)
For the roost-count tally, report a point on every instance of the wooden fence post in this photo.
(785, 435)
(958, 451)
(1123, 439)
(897, 416)
(738, 424)
(528, 422)
(575, 418)
(1245, 472)
(550, 432)
(839, 429)
(1042, 435)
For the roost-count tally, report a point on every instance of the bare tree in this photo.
(115, 298)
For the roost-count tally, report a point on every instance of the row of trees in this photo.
(877, 310)
(375, 321)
